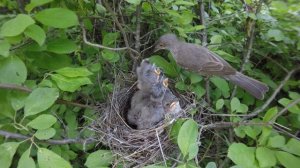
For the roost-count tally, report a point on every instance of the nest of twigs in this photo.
(133, 147)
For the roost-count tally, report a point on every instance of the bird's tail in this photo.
(252, 86)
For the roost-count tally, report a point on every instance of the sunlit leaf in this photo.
(16, 26)
(48, 159)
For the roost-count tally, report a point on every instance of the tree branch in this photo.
(250, 39)
(272, 97)
(204, 43)
(293, 103)
(97, 45)
(28, 90)
(10, 135)
(125, 38)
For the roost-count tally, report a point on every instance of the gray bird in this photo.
(201, 60)
(148, 75)
(171, 103)
(147, 107)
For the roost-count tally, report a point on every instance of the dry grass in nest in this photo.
(133, 147)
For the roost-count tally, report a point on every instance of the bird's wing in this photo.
(201, 60)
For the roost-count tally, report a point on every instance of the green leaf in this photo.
(70, 84)
(17, 99)
(57, 17)
(12, 70)
(50, 61)
(195, 78)
(49, 159)
(39, 100)
(219, 104)
(293, 109)
(134, 2)
(16, 26)
(216, 39)
(211, 165)
(265, 157)
(45, 133)
(61, 46)
(242, 155)
(74, 72)
(167, 67)
(36, 33)
(221, 84)
(43, 121)
(7, 152)
(251, 132)
(266, 132)
(234, 104)
(110, 38)
(270, 114)
(26, 161)
(288, 160)
(100, 158)
(36, 3)
(187, 137)
(294, 95)
(276, 141)
(110, 56)
(292, 146)
(199, 91)
(276, 34)
(180, 85)
(4, 48)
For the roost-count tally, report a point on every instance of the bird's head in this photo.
(165, 42)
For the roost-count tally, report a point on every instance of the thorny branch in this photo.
(28, 90)
(10, 135)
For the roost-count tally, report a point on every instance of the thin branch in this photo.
(250, 39)
(97, 45)
(221, 125)
(28, 90)
(125, 38)
(272, 97)
(137, 35)
(15, 87)
(10, 135)
(293, 103)
(204, 43)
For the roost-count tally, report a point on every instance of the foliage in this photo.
(50, 78)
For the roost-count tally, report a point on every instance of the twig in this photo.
(204, 43)
(97, 45)
(220, 125)
(137, 35)
(249, 41)
(272, 97)
(160, 147)
(293, 103)
(28, 90)
(10, 135)
(15, 87)
(125, 38)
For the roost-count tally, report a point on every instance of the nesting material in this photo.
(136, 147)
(133, 147)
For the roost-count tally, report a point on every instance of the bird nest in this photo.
(133, 147)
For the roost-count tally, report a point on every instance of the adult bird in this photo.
(201, 60)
